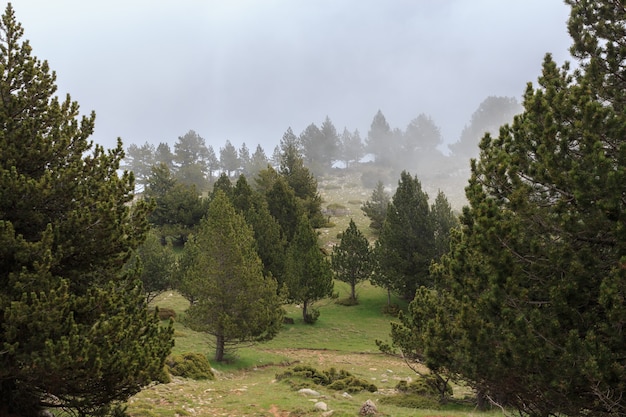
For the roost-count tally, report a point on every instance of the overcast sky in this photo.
(246, 70)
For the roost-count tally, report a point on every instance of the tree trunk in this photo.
(304, 310)
(219, 348)
(353, 288)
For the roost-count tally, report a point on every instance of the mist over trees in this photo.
(380, 156)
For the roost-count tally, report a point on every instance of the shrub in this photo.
(427, 385)
(190, 365)
(348, 301)
(311, 316)
(340, 380)
(391, 310)
(163, 313)
(337, 209)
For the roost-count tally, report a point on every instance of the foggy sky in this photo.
(246, 70)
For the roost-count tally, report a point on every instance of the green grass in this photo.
(342, 338)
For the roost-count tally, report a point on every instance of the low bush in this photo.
(391, 310)
(163, 313)
(348, 301)
(311, 316)
(302, 376)
(190, 365)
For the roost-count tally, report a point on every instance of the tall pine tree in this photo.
(534, 286)
(307, 272)
(234, 301)
(74, 331)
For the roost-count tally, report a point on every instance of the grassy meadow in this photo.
(343, 338)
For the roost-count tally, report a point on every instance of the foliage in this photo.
(379, 140)
(301, 181)
(404, 248)
(157, 263)
(419, 145)
(283, 206)
(351, 147)
(139, 160)
(270, 243)
(178, 207)
(229, 160)
(233, 300)
(191, 365)
(376, 207)
(307, 273)
(534, 283)
(352, 259)
(191, 156)
(73, 322)
(336, 380)
(493, 112)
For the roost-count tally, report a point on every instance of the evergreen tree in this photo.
(163, 155)
(270, 242)
(376, 208)
(157, 263)
(178, 207)
(419, 149)
(405, 245)
(258, 161)
(330, 144)
(443, 221)
(307, 272)
(493, 112)
(233, 300)
(534, 284)
(223, 184)
(311, 141)
(73, 321)
(303, 183)
(351, 147)
(212, 163)
(352, 259)
(191, 155)
(244, 159)
(139, 160)
(283, 206)
(229, 160)
(379, 140)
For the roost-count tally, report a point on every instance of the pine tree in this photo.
(376, 207)
(404, 248)
(307, 272)
(352, 259)
(157, 263)
(270, 242)
(379, 140)
(535, 279)
(233, 300)
(178, 207)
(73, 322)
(303, 183)
(229, 160)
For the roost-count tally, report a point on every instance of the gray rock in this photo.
(321, 406)
(368, 409)
(308, 391)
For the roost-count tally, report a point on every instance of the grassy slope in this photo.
(344, 338)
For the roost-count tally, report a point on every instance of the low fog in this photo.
(245, 71)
